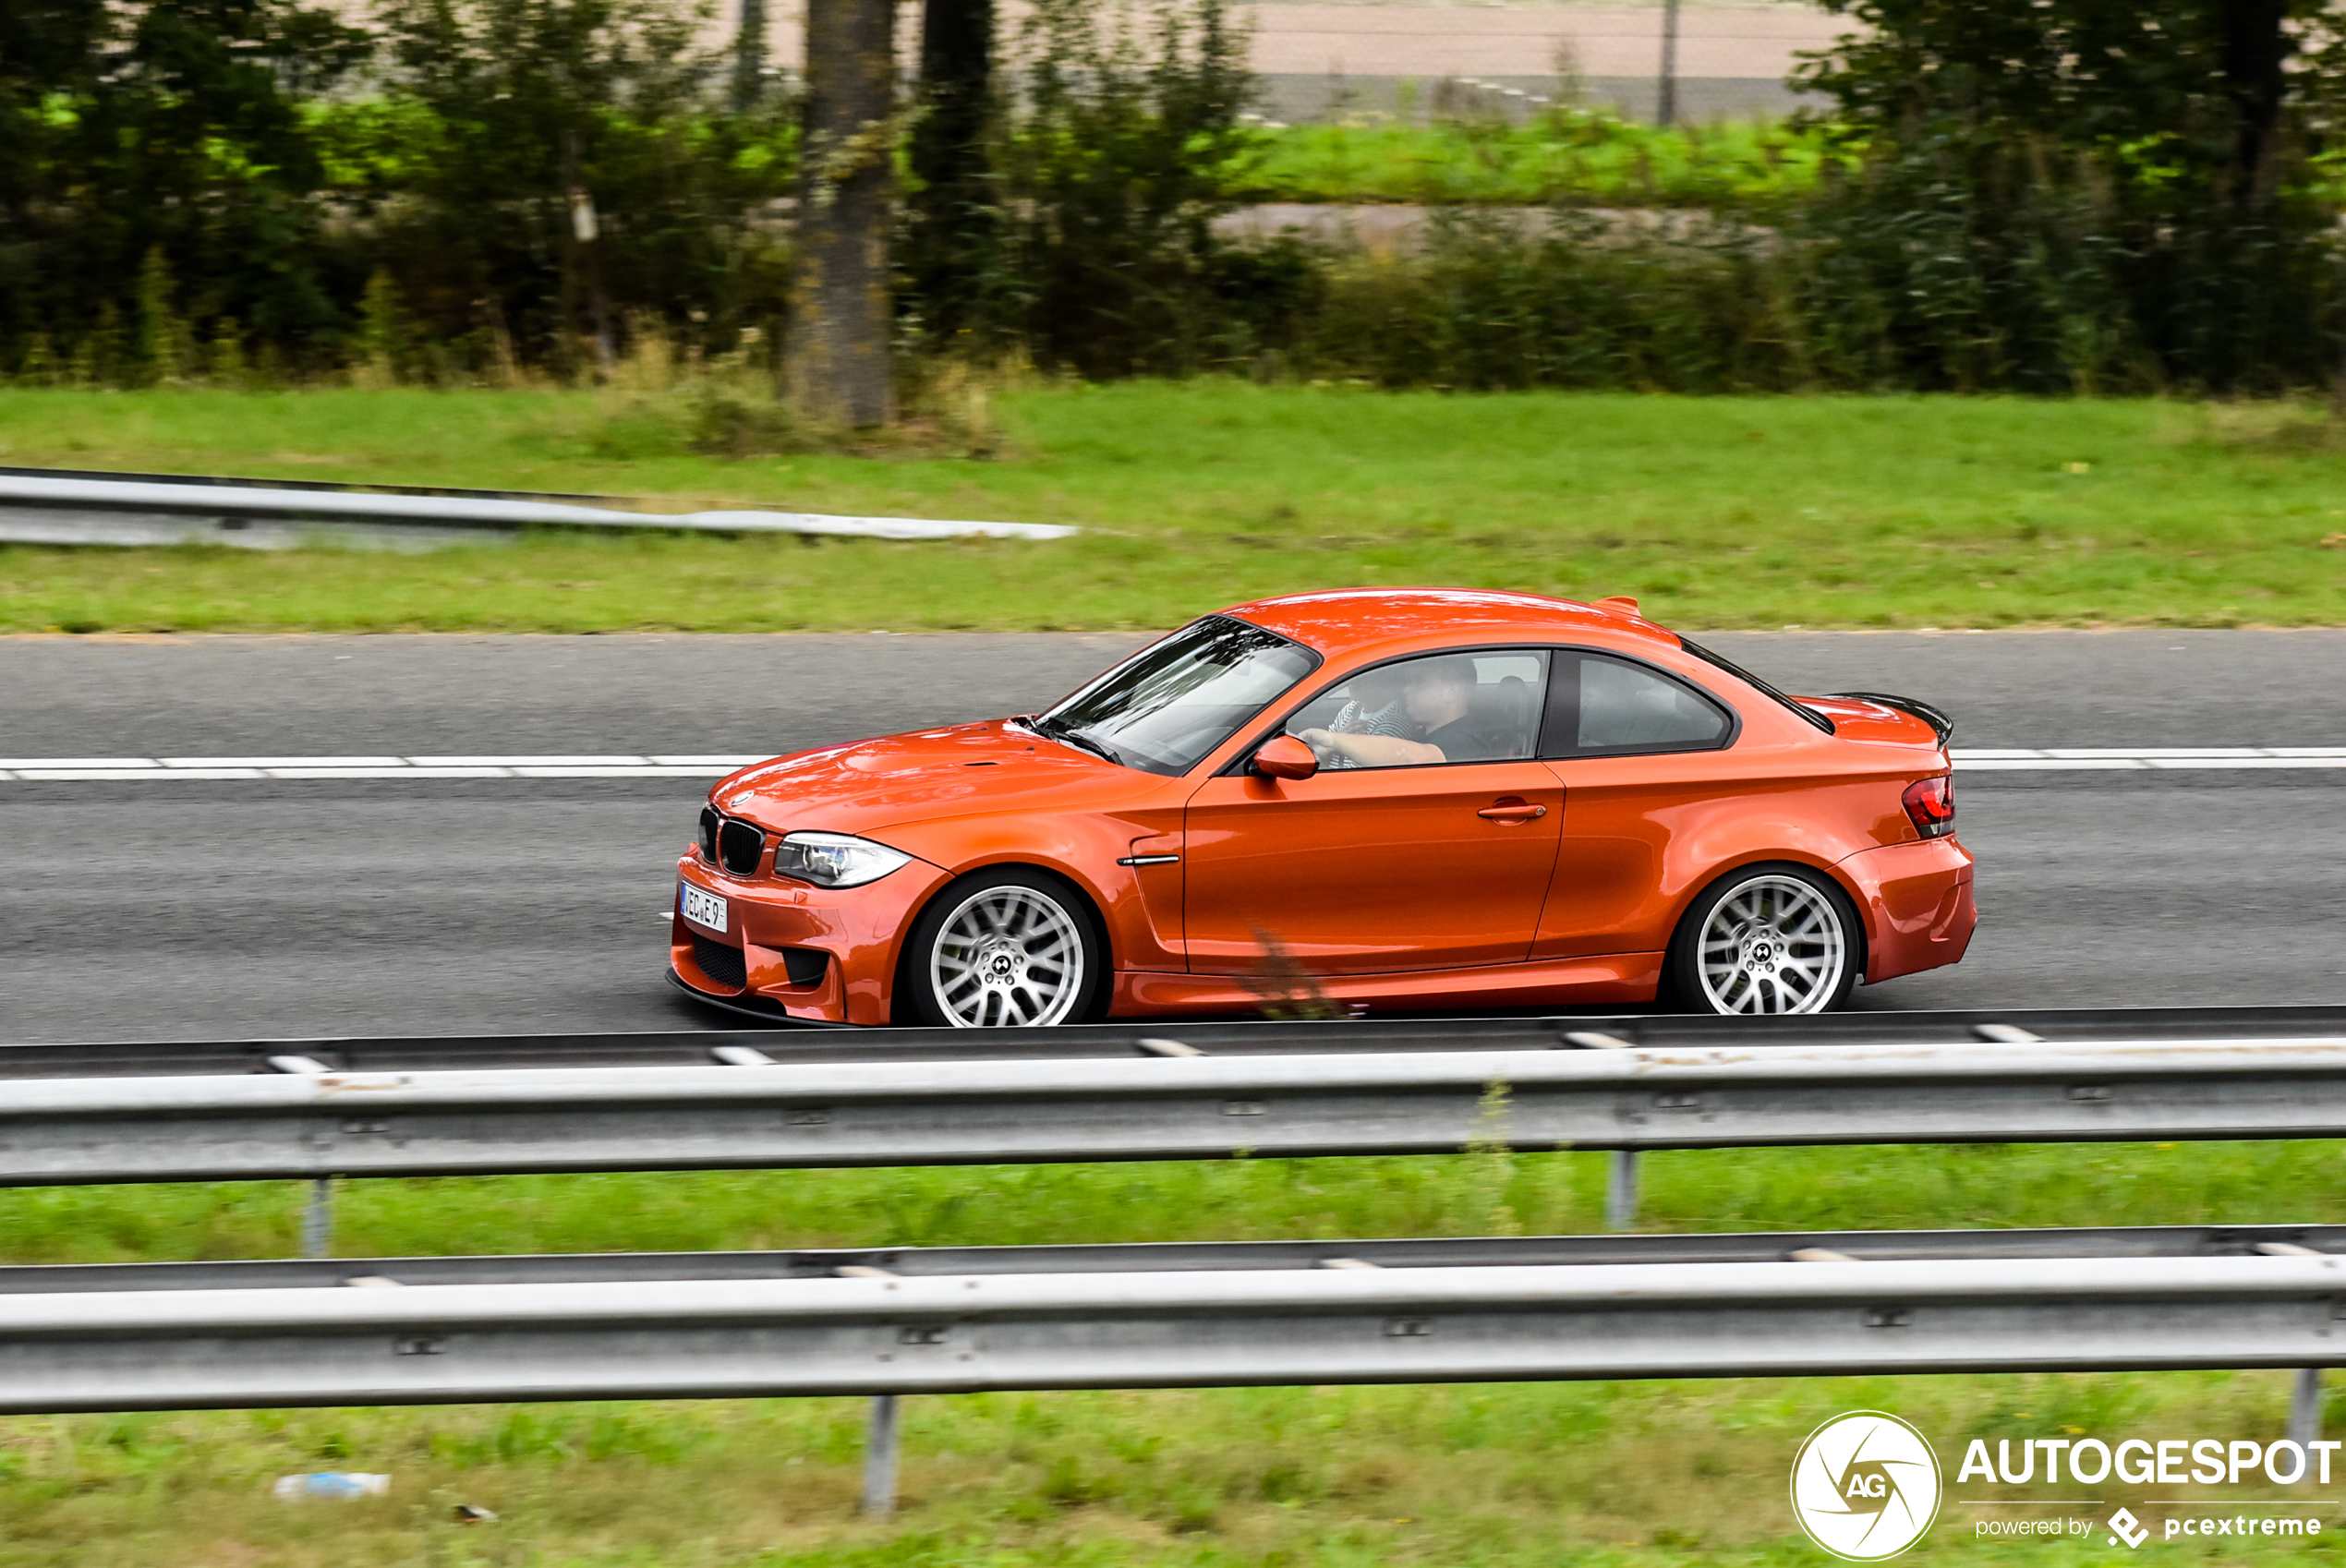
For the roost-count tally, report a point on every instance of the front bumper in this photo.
(773, 925)
(1917, 902)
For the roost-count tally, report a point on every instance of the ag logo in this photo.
(1865, 1486)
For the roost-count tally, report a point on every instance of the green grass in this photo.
(1723, 511)
(1716, 511)
(1510, 1477)
(1583, 158)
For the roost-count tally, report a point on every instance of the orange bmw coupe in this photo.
(1373, 799)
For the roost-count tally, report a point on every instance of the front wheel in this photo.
(1002, 949)
(1765, 939)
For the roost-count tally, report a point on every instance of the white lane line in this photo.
(114, 770)
(2244, 762)
(393, 770)
(2044, 764)
(12, 764)
(111, 770)
(114, 775)
(644, 770)
(277, 762)
(2095, 759)
(2084, 754)
(530, 762)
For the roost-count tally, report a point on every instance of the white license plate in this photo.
(703, 909)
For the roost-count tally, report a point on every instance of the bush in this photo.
(2063, 199)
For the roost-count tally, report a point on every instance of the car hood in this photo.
(868, 786)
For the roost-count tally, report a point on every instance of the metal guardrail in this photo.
(795, 1044)
(75, 509)
(1185, 1257)
(306, 1121)
(891, 1333)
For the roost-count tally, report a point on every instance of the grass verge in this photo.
(1586, 157)
(1716, 511)
(1508, 1476)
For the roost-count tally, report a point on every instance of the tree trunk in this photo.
(951, 231)
(836, 367)
(2256, 49)
(586, 248)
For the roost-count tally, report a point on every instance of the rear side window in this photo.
(1598, 705)
(1748, 678)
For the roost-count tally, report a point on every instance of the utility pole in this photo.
(835, 363)
(749, 56)
(1665, 109)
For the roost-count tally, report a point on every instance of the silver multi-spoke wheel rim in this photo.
(1773, 944)
(1006, 957)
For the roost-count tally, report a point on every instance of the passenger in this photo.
(1438, 696)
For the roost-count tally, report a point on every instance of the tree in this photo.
(836, 365)
(164, 139)
(2062, 192)
(953, 232)
(1124, 151)
(541, 167)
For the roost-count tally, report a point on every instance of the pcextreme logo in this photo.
(1865, 1486)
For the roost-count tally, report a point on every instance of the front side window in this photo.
(1171, 703)
(1481, 707)
(1604, 706)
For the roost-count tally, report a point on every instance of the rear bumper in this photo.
(1917, 902)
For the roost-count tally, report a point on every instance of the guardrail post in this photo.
(2305, 1407)
(1621, 1192)
(318, 1218)
(879, 1458)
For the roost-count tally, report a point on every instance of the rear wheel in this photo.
(1766, 939)
(1002, 949)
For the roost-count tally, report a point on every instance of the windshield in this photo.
(1169, 704)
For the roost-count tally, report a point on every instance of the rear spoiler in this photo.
(1937, 718)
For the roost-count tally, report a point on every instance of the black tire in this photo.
(1776, 932)
(1010, 934)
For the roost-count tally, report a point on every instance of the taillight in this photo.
(1930, 806)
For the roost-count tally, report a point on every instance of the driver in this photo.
(1375, 709)
(1438, 696)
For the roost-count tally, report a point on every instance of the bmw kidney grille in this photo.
(738, 847)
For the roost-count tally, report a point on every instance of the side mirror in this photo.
(1284, 757)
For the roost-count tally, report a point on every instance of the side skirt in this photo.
(1617, 978)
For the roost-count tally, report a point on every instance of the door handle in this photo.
(1513, 811)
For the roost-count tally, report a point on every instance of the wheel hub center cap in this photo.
(1001, 964)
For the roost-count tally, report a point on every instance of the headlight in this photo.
(834, 860)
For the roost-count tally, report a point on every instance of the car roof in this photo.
(1341, 622)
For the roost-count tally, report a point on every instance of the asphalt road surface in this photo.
(208, 910)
